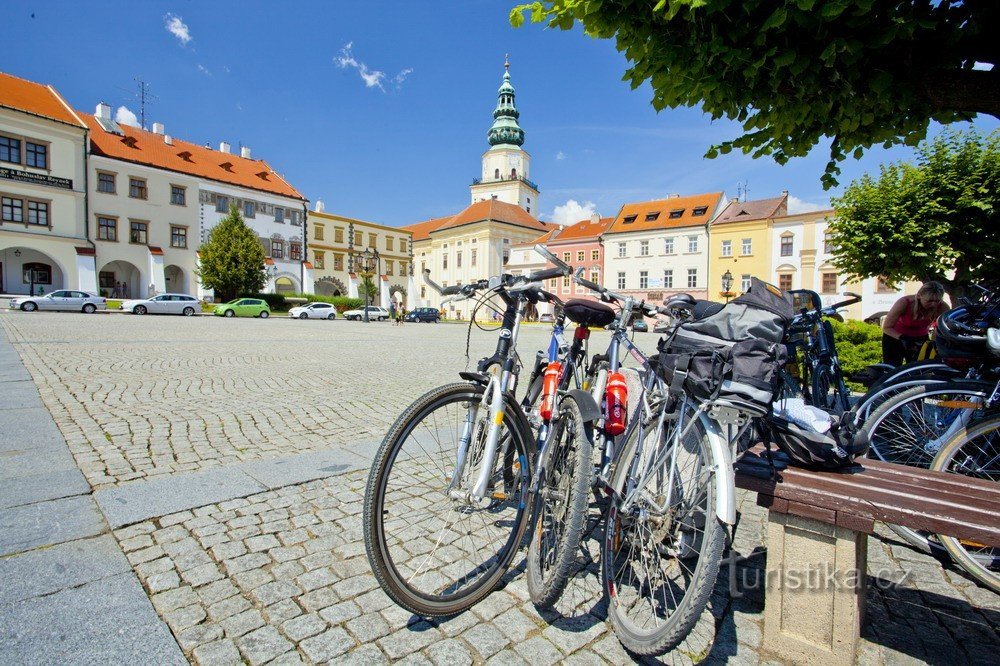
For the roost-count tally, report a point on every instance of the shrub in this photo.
(858, 346)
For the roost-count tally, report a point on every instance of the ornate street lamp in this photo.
(727, 285)
(366, 264)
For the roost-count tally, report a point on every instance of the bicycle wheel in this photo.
(910, 429)
(560, 504)
(826, 391)
(975, 453)
(434, 554)
(910, 370)
(660, 557)
(876, 398)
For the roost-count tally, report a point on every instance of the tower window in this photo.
(513, 173)
(496, 174)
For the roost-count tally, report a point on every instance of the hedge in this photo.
(858, 346)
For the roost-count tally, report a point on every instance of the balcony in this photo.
(481, 181)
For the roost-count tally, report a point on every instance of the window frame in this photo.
(19, 207)
(280, 245)
(318, 231)
(668, 278)
(824, 285)
(143, 188)
(782, 277)
(692, 278)
(174, 228)
(113, 227)
(621, 279)
(644, 248)
(46, 152)
(20, 148)
(727, 248)
(786, 242)
(174, 189)
(319, 259)
(643, 279)
(669, 247)
(28, 210)
(252, 206)
(746, 247)
(114, 182)
(693, 244)
(621, 252)
(132, 224)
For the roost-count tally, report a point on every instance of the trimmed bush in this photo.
(858, 346)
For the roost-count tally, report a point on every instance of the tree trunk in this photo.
(971, 91)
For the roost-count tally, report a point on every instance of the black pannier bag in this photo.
(735, 352)
(588, 313)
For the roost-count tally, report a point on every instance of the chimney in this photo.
(103, 111)
(595, 217)
(167, 139)
(319, 203)
(675, 196)
(784, 193)
(157, 128)
(223, 147)
(734, 200)
(245, 152)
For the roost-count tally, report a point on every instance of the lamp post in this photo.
(366, 264)
(727, 285)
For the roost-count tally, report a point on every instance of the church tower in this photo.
(506, 166)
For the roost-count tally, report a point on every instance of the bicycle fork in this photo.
(478, 494)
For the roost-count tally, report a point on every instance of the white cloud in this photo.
(796, 205)
(204, 70)
(178, 28)
(560, 155)
(373, 78)
(572, 212)
(125, 117)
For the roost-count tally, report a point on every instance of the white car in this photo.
(63, 299)
(374, 313)
(315, 310)
(176, 304)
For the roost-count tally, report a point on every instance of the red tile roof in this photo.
(491, 209)
(585, 230)
(758, 209)
(35, 98)
(683, 207)
(143, 147)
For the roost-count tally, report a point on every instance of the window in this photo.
(222, 206)
(621, 280)
(565, 282)
(458, 259)
(745, 282)
(676, 213)
(402, 268)
(692, 243)
(595, 277)
(338, 235)
(651, 217)
(137, 188)
(357, 238)
(581, 256)
(106, 182)
(828, 246)
(372, 240)
(472, 258)
(296, 216)
(746, 246)
(277, 249)
(444, 261)
(13, 209)
(643, 279)
(668, 245)
(506, 250)
(106, 279)
(786, 245)
(883, 287)
(727, 248)
(595, 255)
(699, 211)
(107, 229)
(668, 279)
(644, 248)
(621, 249)
(785, 281)
(566, 257)
(402, 245)
(389, 266)
(36, 155)
(37, 273)
(388, 242)
(38, 213)
(829, 283)
(338, 262)
(319, 260)
(138, 232)
(318, 228)
(249, 209)
(629, 219)
(692, 278)
(10, 150)
(178, 195)
(178, 237)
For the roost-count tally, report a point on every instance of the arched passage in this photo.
(121, 279)
(175, 280)
(19, 266)
(330, 286)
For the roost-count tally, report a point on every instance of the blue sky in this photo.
(402, 146)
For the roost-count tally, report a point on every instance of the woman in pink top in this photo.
(905, 328)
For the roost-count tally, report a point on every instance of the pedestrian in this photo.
(400, 316)
(392, 311)
(124, 289)
(117, 293)
(905, 327)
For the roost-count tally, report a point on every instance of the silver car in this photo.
(63, 299)
(175, 304)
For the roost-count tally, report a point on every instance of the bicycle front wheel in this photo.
(974, 453)
(434, 552)
(661, 555)
(560, 504)
(826, 389)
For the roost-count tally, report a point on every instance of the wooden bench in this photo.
(820, 521)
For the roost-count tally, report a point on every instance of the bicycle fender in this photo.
(588, 406)
(725, 476)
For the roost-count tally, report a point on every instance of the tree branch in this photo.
(972, 91)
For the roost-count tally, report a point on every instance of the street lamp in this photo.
(727, 284)
(370, 265)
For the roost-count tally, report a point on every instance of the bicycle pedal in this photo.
(499, 495)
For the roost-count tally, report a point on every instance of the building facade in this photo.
(44, 243)
(741, 243)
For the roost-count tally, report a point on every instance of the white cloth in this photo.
(798, 412)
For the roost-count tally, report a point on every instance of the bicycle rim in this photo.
(974, 453)
(431, 553)
(659, 563)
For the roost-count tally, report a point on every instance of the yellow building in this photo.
(740, 243)
(337, 245)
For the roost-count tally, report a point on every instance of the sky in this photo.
(381, 109)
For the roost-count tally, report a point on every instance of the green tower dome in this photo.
(505, 130)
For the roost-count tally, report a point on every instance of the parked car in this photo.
(176, 304)
(313, 311)
(546, 318)
(62, 299)
(374, 312)
(243, 307)
(432, 315)
(640, 326)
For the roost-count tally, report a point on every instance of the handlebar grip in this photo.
(593, 286)
(451, 291)
(546, 274)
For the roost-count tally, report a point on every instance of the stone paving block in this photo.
(449, 652)
(486, 640)
(47, 523)
(66, 565)
(218, 653)
(328, 645)
(303, 626)
(241, 623)
(539, 651)
(262, 645)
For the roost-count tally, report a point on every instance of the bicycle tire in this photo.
(959, 456)
(917, 368)
(917, 447)
(826, 390)
(566, 471)
(701, 580)
(394, 541)
(875, 399)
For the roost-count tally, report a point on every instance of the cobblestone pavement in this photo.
(138, 397)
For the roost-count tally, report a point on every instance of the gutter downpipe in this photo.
(305, 246)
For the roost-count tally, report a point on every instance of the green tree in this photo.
(367, 287)
(938, 219)
(860, 72)
(232, 259)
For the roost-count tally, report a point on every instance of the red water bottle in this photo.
(615, 404)
(550, 384)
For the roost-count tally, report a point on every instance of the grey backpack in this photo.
(735, 352)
